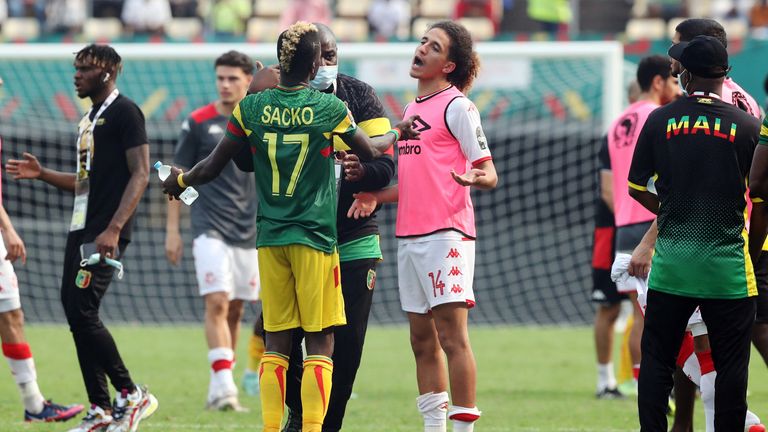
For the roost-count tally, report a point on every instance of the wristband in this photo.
(396, 133)
(180, 181)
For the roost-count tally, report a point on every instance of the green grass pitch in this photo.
(530, 379)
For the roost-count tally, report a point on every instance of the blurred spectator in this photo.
(667, 9)
(184, 8)
(146, 16)
(107, 8)
(479, 8)
(228, 17)
(27, 8)
(65, 16)
(550, 14)
(758, 15)
(3, 17)
(386, 17)
(305, 10)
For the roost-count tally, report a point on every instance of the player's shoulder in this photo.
(355, 87)
(204, 113)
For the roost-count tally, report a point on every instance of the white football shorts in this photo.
(435, 269)
(224, 268)
(9, 285)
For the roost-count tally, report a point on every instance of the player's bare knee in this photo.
(424, 345)
(454, 344)
(217, 305)
(235, 311)
(320, 343)
(12, 326)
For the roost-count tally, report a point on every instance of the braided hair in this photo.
(103, 56)
(296, 49)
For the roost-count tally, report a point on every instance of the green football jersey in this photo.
(290, 133)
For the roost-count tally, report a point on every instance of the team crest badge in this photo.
(370, 281)
(83, 278)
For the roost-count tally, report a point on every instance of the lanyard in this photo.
(107, 102)
(706, 94)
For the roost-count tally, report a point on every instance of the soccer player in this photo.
(224, 226)
(289, 130)
(658, 87)
(436, 223)
(359, 250)
(112, 173)
(701, 150)
(15, 347)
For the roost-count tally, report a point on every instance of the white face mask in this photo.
(680, 81)
(326, 75)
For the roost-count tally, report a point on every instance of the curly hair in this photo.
(461, 52)
(296, 45)
(236, 59)
(103, 56)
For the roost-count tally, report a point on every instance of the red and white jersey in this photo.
(622, 138)
(451, 138)
(734, 94)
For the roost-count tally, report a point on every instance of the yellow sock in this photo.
(255, 352)
(315, 391)
(272, 383)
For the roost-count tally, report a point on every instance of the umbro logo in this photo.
(420, 125)
(453, 253)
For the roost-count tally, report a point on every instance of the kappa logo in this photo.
(215, 130)
(453, 253)
(455, 271)
(457, 289)
(210, 278)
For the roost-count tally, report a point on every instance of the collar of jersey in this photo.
(294, 88)
(705, 94)
(420, 99)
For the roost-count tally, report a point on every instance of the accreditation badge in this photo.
(80, 208)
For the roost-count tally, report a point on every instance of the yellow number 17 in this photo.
(271, 139)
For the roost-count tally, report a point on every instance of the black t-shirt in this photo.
(119, 128)
(701, 150)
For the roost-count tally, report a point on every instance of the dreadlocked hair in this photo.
(462, 53)
(103, 56)
(296, 47)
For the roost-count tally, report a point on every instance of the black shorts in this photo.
(761, 274)
(603, 289)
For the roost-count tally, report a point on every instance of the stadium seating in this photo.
(269, 8)
(735, 28)
(646, 29)
(262, 29)
(479, 27)
(21, 29)
(352, 8)
(437, 8)
(672, 24)
(184, 28)
(350, 29)
(420, 25)
(99, 29)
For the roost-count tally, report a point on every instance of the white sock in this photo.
(751, 420)
(692, 369)
(433, 407)
(463, 418)
(221, 361)
(605, 377)
(22, 365)
(707, 389)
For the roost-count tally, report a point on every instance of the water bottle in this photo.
(188, 196)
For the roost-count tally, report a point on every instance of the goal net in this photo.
(544, 107)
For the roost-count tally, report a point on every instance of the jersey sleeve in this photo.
(603, 157)
(236, 129)
(343, 124)
(463, 121)
(764, 132)
(133, 130)
(642, 168)
(185, 153)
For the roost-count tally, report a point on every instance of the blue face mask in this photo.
(326, 75)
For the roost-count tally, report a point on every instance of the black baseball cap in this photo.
(703, 56)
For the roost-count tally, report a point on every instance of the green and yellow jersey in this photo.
(290, 132)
